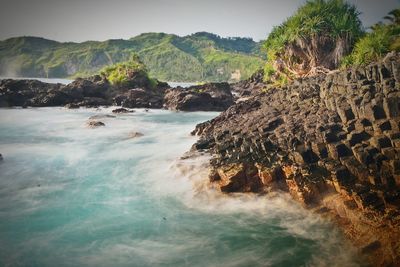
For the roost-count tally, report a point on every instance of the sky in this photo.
(81, 20)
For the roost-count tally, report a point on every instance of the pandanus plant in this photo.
(381, 39)
(314, 39)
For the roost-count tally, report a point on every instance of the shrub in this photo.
(121, 73)
(382, 39)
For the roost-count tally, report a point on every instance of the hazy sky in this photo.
(80, 20)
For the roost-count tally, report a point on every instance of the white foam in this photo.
(113, 190)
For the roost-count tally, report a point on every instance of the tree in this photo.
(393, 16)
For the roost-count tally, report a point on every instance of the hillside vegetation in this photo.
(197, 57)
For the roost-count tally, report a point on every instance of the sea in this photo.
(77, 196)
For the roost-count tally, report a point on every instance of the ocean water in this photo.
(45, 80)
(181, 84)
(67, 81)
(74, 196)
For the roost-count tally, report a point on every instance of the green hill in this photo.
(198, 57)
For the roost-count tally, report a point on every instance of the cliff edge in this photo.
(332, 141)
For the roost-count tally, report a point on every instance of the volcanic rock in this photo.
(332, 141)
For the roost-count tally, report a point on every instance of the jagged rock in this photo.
(208, 97)
(253, 85)
(95, 124)
(90, 92)
(334, 140)
(20, 92)
(95, 91)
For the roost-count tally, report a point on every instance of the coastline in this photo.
(331, 141)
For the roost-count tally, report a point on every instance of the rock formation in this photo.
(97, 91)
(208, 97)
(331, 141)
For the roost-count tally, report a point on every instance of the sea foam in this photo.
(75, 196)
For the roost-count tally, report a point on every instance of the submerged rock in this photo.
(135, 135)
(95, 124)
(1, 157)
(122, 110)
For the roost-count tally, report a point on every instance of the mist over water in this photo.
(73, 196)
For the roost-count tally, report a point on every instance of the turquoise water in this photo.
(73, 196)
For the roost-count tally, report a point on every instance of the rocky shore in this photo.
(331, 141)
(207, 97)
(96, 91)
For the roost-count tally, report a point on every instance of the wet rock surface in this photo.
(331, 141)
(122, 110)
